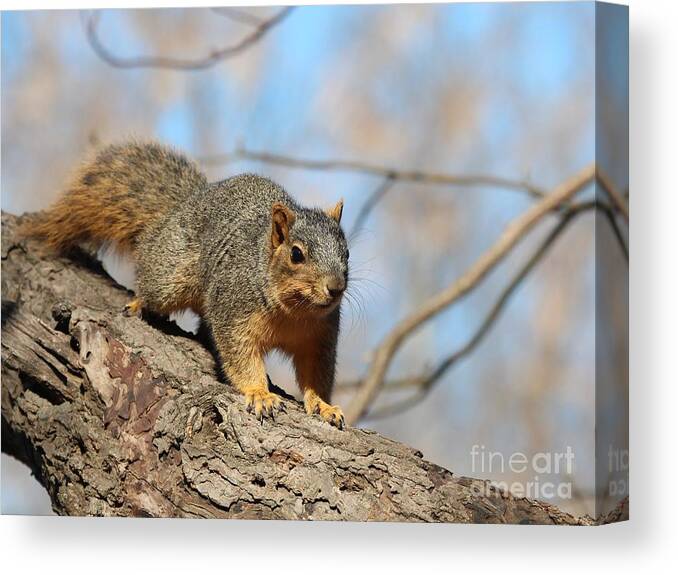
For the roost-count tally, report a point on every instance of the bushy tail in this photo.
(116, 196)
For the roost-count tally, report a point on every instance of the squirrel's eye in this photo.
(297, 256)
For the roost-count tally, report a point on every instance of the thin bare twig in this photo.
(614, 195)
(216, 56)
(416, 176)
(375, 197)
(609, 214)
(510, 237)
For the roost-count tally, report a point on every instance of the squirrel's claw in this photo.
(133, 308)
(262, 403)
(337, 419)
(332, 414)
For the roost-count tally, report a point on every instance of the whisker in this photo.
(369, 281)
(359, 316)
(354, 314)
(365, 292)
(362, 264)
(358, 235)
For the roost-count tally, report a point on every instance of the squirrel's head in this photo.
(309, 258)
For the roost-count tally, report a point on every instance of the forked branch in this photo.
(422, 384)
(516, 231)
(260, 29)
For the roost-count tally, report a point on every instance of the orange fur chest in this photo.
(291, 335)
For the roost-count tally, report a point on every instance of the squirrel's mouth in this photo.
(309, 302)
(328, 305)
(322, 306)
(328, 301)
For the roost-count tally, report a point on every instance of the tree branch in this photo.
(511, 236)
(392, 175)
(121, 416)
(612, 192)
(415, 176)
(423, 383)
(375, 197)
(216, 56)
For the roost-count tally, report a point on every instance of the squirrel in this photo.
(261, 271)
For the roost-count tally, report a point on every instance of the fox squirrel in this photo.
(262, 271)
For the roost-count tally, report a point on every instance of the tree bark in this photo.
(123, 416)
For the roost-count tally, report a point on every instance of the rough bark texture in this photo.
(118, 416)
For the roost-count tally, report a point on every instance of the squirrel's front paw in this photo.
(330, 413)
(262, 402)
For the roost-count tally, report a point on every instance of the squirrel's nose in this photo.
(334, 286)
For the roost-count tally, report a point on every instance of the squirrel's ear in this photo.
(282, 219)
(335, 211)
